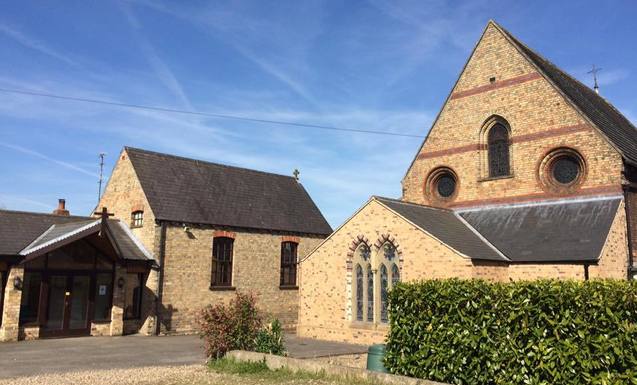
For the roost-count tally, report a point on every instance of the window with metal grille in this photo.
(288, 263)
(137, 219)
(498, 143)
(221, 262)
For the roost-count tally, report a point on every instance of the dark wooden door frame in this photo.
(66, 331)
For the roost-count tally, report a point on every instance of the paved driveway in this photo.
(27, 358)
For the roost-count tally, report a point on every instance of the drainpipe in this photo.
(160, 278)
(628, 231)
(586, 271)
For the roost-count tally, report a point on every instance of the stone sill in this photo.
(369, 325)
(222, 288)
(288, 288)
(490, 179)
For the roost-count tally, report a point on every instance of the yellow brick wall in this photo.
(123, 194)
(256, 269)
(325, 294)
(531, 107)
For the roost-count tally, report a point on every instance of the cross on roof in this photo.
(104, 214)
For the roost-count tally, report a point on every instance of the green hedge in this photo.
(539, 332)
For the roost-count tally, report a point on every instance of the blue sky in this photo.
(377, 65)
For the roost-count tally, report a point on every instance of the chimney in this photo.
(61, 210)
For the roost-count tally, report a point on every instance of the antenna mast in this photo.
(594, 71)
(99, 182)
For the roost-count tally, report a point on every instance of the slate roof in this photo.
(25, 232)
(563, 231)
(194, 191)
(619, 130)
(447, 227)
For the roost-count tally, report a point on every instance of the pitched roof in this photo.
(615, 126)
(194, 191)
(562, 231)
(447, 227)
(22, 233)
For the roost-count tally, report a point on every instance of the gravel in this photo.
(154, 375)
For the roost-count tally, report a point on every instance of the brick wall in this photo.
(540, 119)
(256, 269)
(326, 279)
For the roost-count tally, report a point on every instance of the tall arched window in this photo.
(498, 144)
(395, 275)
(359, 293)
(370, 294)
(384, 288)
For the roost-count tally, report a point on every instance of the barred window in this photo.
(221, 262)
(137, 218)
(498, 143)
(288, 263)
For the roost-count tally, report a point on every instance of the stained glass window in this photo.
(383, 293)
(395, 275)
(359, 293)
(498, 142)
(566, 169)
(370, 294)
(446, 185)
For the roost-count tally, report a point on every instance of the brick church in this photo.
(525, 173)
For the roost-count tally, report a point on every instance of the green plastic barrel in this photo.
(375, 355)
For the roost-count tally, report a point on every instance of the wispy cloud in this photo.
(35, 44)
(47, 158)
(161, 69)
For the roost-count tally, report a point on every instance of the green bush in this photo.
(270, 339)
(237, 326)
(540, 332)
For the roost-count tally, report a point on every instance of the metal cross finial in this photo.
(594, 71)
(296, 174)
(104, 214)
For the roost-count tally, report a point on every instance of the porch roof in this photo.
(28, 234)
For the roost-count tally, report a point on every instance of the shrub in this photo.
(229, 327)
(270, 339)
(540, 332)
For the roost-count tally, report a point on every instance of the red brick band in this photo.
(496, 85)
(224, 234)
(515, 139)
(289, 238)
(591, 191)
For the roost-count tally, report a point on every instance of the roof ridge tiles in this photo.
(205, 162)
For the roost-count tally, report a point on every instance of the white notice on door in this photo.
(102, 290)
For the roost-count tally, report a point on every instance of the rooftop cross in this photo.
(594, 71)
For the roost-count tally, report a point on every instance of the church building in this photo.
(171, 236)
(526, 173)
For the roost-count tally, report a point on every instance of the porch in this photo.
(88, 277)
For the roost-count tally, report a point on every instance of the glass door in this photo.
(68, 305)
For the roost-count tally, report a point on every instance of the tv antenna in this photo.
(99, 182)
(594, 71)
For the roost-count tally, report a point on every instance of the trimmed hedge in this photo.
(539, 332)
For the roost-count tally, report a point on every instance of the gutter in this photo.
(160, 278)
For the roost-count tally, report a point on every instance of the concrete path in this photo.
(27, 358)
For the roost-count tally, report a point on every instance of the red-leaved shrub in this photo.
(234, 326)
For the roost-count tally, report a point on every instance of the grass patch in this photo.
(259, 370)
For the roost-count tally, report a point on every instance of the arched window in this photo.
(384, 288)
(498, 144)
(395, 275)
(359, 292)
(370, 294)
